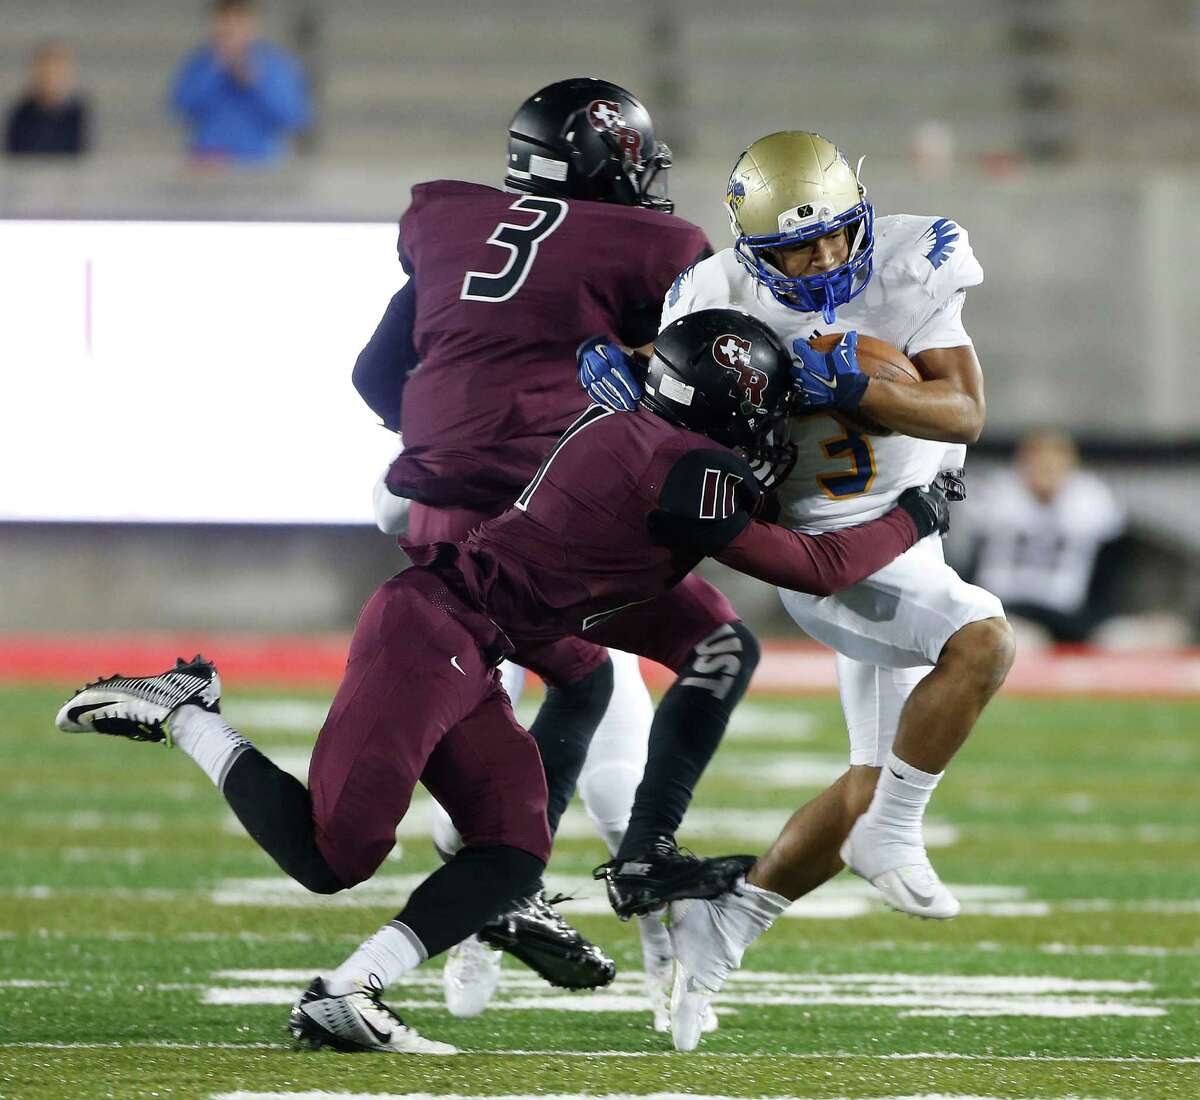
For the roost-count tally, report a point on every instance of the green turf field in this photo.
(148, 949)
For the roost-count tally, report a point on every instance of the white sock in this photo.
(386, 957)
(901, 796)
(761, 906)
(656, 943)
(733, 922)
(208, 739)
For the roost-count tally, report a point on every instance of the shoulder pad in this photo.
(706, 501)
(704, 285)
(933, 252)
(433, 189)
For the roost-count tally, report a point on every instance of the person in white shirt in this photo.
(919, 651)
(1048, 539)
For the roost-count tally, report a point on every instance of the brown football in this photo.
(878, 359)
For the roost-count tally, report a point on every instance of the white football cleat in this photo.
(470, 977)
(354, 1022)
(138, 707)
(708, 938)
(660, 977)
(690, 1003)
(900, 871)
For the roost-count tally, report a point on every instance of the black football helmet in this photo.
(725, 375)
(588, 139)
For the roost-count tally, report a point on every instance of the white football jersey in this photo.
(922, 267)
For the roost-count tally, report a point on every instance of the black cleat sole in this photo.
(709, 878)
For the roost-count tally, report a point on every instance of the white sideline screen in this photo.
(189, 371)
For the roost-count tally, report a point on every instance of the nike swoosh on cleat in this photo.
(380, 1037)
(76, 713)
(454, 662)
(923, 900)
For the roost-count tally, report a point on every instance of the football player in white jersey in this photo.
(919, 651)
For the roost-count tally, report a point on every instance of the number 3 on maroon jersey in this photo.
(522, 243)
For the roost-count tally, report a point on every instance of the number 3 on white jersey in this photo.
(522, 244)
(855, 448)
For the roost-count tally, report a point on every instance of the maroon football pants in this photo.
(667, 628)
(560, 663)
(418, 702)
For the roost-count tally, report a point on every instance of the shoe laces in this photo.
(666, 846)
(543, 907)
(372, 1007)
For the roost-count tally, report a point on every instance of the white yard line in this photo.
(845, 898)
(913, 995)
(559, 1096)
(1079, 1059)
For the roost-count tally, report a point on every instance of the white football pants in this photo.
(888, 632)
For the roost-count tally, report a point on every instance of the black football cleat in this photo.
(664, 874)
(355, 1022)
(536, 934)
(138, 707)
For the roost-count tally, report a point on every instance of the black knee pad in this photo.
(723, 663)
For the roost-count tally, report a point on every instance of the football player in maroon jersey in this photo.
(473, 363)
(621, 510)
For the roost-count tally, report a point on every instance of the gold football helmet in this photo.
(789, 188)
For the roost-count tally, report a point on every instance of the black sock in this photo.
(276, 810)
(461, 896)
(563, 730)
(688, 726)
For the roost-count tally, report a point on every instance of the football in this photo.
(878, 359)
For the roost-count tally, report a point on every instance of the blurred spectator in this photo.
(50, 118)
(240, 96)
(1049, 539)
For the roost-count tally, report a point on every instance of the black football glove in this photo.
(929, 509)
(952, 484)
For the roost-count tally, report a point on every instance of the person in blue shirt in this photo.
(240, 95)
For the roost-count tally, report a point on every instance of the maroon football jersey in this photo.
(620, 510)
(508, 286)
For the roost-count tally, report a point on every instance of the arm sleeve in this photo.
(701, 286)
(640, 323)
(281, 91)
(384, 365)
(196, 81)
(947, 267)
(943, 328)
(820, 564)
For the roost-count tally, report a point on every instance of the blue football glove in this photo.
(607, 375)
(828, 380)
